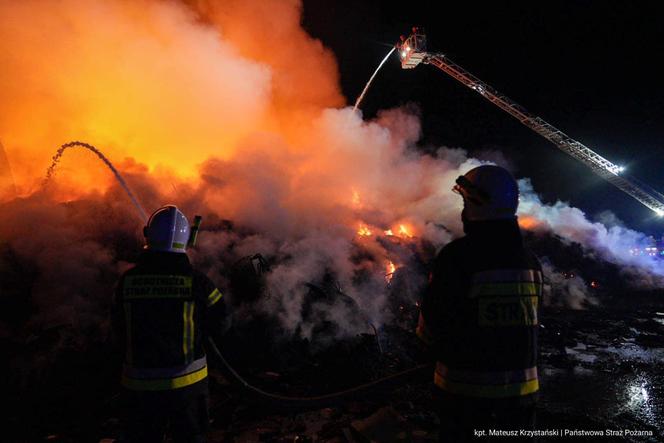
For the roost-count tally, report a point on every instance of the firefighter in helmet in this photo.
(479, 314)
(163, 310)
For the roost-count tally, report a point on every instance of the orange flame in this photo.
(404, 231)
(356, 199)
(390, 270)
(146, 80)
(529, 223)
(364, 231)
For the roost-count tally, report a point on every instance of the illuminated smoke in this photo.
(142, 78)
(612, 243)
(7, 186)
(60, 152)
(233, 112)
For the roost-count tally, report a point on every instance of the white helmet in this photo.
(167, 230)
(489, 193)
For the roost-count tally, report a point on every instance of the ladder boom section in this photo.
(598, 164)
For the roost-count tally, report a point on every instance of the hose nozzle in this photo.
(193, 232)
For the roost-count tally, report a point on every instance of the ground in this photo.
(601, 369)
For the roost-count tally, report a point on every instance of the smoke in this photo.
(233, 112)
(612, 243)
(7, 187)
(142, 78)
(56, 159)
(565, 291)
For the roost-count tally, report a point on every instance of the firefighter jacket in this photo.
(479, 314)
(163, 310)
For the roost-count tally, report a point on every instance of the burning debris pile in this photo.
(318, 225)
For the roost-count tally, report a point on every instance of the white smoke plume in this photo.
(613, 243)
(200, 106)
(565, 291)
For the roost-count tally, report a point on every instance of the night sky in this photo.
(591, 68)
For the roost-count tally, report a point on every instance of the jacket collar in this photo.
(497, 229)
(154, 257)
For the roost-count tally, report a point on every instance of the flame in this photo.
(169, 84)
(364, 231)
(390, 269)
(201, 104)
(529, 223)
(355, 200)
(404, 231)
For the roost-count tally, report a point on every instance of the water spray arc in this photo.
(6, 177)
(58, 155)
(412, 51)
(366, 87)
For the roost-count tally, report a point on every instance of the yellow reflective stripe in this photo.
(511, 288)
(188, 331)
(127, 311)
(487, 391)
(508, 311)
(163, 384)
(191, 333)
(185, 329)
(214, 297)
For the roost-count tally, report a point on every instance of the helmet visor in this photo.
(470, 192)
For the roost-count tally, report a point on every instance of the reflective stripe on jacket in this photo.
(480, 313)
(167, 307)
(507, 297)
(158, 379)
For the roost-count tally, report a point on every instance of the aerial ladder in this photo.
(413, 51)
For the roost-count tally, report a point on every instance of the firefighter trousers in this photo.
(182, 412)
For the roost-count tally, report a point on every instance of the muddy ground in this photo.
(600, 369)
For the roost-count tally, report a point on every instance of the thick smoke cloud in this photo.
(142, 78)
(613, 243)
(563, 291)
(200, 105)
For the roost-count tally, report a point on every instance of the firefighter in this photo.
(479, 315)
(162, 312)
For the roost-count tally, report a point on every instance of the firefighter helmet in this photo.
(489, 192)
(167, 230)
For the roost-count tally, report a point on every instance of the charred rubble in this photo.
(65, 389)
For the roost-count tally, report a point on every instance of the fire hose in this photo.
(313, 400)
(234, 376)
(229, 370)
